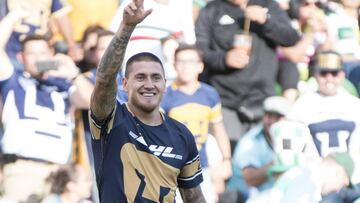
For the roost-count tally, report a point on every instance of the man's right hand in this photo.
(237, 58)
(134, 13)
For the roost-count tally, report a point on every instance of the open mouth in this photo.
(148, 94)
(330, 85)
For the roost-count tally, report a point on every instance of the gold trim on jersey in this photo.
(191, 168)
(216, 114)
(95, 129)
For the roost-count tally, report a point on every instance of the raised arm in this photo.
(6, 27)
(104, 95)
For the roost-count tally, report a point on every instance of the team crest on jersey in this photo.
(157, 150)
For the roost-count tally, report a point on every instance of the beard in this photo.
(145, 106)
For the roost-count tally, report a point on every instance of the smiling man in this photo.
(145, 155)
(332, 116)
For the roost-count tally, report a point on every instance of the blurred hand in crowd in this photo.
(256, 13)
(66, 69)
(237, 58)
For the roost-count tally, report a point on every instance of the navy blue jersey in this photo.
(142, 163)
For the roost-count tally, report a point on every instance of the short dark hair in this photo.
(142, 56)
(34, 37)
(103, 33)
(91, 29)
(183, 47)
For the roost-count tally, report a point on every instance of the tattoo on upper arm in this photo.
(104, 94)
(114, 54)
(192, 195)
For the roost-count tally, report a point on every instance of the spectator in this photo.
(343, 24)
(308, 184)
(331, 115)
(37, 23)
(243, 81)
(35, 114)
(343, 27)
(88, 45)
(197, 105)
(69, 184)
(254, 153)
(293, 147)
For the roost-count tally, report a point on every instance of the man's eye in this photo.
(157, 77)
(139, 77)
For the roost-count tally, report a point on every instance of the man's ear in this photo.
(124, 84)
(342, 74)
(20, 57)
(201, 67)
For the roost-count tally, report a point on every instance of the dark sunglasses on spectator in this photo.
(333, 73)
(305, 3)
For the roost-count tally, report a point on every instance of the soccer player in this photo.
(145, 154)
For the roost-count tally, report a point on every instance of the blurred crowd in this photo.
(269, 88)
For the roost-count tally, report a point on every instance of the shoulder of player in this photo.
(121, 113)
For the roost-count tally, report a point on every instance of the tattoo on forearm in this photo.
(104, 95)
(193, 195)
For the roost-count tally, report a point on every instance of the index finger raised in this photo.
(139, 3)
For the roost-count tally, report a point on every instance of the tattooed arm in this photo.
(104, 95)
(192, 195)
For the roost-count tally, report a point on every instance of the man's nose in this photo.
(148, 83)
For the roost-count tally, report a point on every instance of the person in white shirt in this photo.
(331, 113)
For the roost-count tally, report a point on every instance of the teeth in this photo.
(148, 94)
